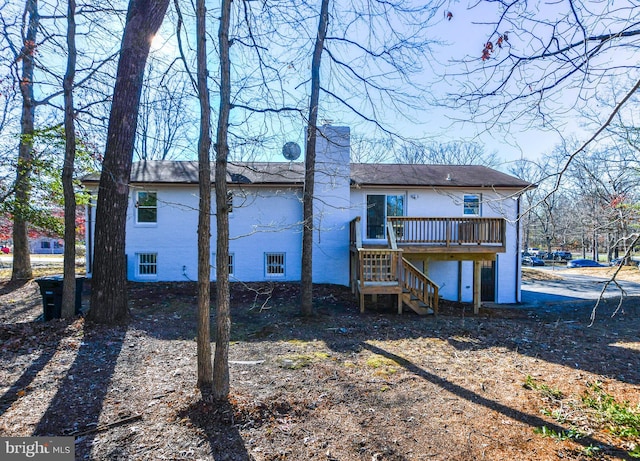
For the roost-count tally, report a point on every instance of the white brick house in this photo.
(458, 224)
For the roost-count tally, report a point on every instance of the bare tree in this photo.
(375, 68)
(223, 314)
(451, 153)
(165, 124)
(21, 260)
(29, 37)
(310, 162)
(109, 294)
(205, 370)
(365, 149)
(605, 183)
(69, 281)
(540, 66)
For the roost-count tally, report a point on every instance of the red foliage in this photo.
(617, 201)
(29, 47)
(489, 48)
(5, 228)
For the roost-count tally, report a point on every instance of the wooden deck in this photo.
(384, 269)
(451, 235)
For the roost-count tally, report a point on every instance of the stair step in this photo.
(418, 306)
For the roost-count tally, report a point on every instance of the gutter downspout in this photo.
(518, 258)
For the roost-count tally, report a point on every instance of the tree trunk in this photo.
(109, 291)
(310, 162)
(69, 282)
(21, 260)
(223, 315)
(205, 370)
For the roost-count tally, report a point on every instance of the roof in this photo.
(394, 174)
(362, 174)
(186, 172)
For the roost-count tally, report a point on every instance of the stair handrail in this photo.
(355, 229)
(427, 293)
(391, 236)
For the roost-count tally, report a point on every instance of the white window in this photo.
(147, 264)
(231, 262)
(379, 208)
(471, 205)
(274, 264)
(230, 201)
(146, 207)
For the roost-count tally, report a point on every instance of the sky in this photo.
(519, 132)
(461, 41)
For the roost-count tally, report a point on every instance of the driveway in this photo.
(572, 287)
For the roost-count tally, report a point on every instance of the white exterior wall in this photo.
(263, 220)
(508, 271)
(332, 201)
(449, 203)
(173, 237)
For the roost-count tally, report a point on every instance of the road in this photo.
(572, 287)
(36, 260)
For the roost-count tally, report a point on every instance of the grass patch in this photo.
(384, 366)
(621, 420)
(546, 391)
(569, 434)
(594, 411)
(297, 361)
(298, 342)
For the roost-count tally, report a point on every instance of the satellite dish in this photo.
(291, 151)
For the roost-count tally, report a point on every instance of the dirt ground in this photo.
(508, 384)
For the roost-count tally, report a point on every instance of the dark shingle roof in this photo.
(362, 174)
(186, 172)
(383, 174)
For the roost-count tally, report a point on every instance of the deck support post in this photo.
(477, 271)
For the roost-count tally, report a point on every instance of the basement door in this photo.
(488, 281)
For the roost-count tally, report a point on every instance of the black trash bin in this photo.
(51, 291)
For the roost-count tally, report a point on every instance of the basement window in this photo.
(231, 262)
(147, 264)
(274, 264)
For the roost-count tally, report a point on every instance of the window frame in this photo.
(232, 262)
(139, 208)
(268, 265)
(474, 205)
(385, 208)
(149, 264)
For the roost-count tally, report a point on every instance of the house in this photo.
(418, 231)
(46, 245)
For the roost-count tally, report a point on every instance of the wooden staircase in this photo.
(385, 271)
(419, 292)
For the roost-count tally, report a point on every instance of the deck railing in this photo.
(419, 285)
(385, 271)
(379, 266)
(448, 231)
